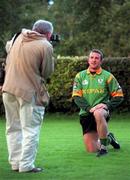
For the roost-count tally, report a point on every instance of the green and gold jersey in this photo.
(96, 88)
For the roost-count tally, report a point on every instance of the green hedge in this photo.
(61, 82)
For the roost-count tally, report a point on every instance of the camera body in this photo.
(55, 38)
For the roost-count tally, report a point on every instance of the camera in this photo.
(55, 38)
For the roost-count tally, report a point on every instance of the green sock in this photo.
(109, 139)
(105, 141)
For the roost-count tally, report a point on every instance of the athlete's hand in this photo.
(98, 106)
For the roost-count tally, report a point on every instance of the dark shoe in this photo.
(113, 141)
(35, 170)
(101, 152)
(16, 170)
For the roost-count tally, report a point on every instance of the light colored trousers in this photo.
(23, 123)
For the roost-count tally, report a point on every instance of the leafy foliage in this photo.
(83, 25)
(60, 85)
(61, 82)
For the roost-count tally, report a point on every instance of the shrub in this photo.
(61, 82)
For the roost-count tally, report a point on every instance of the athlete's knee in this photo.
(90, 141)
(99, 113)
(91, 149)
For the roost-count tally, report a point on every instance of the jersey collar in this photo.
(98, 71)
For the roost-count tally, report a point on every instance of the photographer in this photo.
(29, 60)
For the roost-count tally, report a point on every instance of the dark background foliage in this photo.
(83, 25)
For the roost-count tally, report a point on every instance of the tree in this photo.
(83, 25)
(15, 15)
(119, 40)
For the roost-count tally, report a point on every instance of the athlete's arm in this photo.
(81, 103)
(114, 102)
(115, 92)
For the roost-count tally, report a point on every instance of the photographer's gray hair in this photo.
(43, 26)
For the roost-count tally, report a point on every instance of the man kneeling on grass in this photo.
(96, 92)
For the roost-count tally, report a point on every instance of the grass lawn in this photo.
(61, 152)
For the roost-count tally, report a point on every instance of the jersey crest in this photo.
(100, 80)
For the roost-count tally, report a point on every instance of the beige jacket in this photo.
(28, 60)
